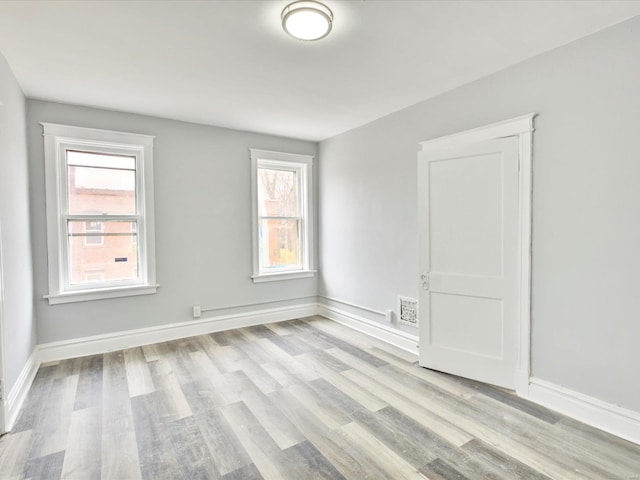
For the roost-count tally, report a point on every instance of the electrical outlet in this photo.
(197, 311)
(388, 315)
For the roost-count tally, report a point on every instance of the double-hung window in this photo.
(282, 215)
(100, 228)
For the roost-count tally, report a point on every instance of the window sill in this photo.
(88, 295)
(276, 277)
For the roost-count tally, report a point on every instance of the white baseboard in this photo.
(611, 418)
(18, 393)
(395, 337)
(80, 347)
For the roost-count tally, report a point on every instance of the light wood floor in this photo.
(297, 400)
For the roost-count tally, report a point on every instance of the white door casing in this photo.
(3, 393)
(475, 248)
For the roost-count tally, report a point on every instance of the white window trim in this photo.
(305, 162)
(56, 139)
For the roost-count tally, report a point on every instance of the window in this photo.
(99, 213)
(282, 216)
(94, 233)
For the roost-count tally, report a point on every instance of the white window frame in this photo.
(57, 140)
(303, 166)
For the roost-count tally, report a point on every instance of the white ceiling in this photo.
(229, 63)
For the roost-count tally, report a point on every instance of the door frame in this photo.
(521, 127)
(3, 392)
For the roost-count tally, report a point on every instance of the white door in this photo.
(468, 220)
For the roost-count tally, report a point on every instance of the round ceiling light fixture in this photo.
(307, 20)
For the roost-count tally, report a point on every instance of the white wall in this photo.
(586, 205)
(203, 225)
(19, 323)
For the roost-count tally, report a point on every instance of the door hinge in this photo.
(424, 280)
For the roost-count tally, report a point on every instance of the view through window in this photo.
(282, 215)
(103, 248)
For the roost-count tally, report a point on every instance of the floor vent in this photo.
(408, 311)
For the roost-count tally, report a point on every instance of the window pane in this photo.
(97, 184)
(88, 159)
(277, 193)
(115, 258)
(93, 228)
(279, 244)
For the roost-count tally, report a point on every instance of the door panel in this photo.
(472, 325)
(465, 200)
(468, 216)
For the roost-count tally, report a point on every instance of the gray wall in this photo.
(203, 225)
(19, 323)
(586, 205)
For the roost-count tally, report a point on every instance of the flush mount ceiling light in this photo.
(307, 20)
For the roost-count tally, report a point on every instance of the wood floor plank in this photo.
(249, 472)
(439, 470)
(33, 410)
(328, 413)
(508, 398)
(474, 419)
(138, 376)
(278, 328)
(407, 431)
(258, 375)
(204, 362)
(120, 456)
(258, 331)
(170, 394)
(441, 380)
(281, 374)
(537, 435)
(255, 352)
(379, 454)
(224, 338)
(156, 454)
(47, 467)
(408, 439)
(500, 462)
(289, 344)
(151, 352)
(354, 351)
(227, 452)
(530, 444)
(52, 430)
(191, 451)
(264, 453)
(347, 458)
(83, 451)
(14, 450)
(225, 358)
(306, 461)
(361, 395)
(89, 391)
(315, 342)
(280, 429)
(442, 427)
(116, 402)
(596, 443)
